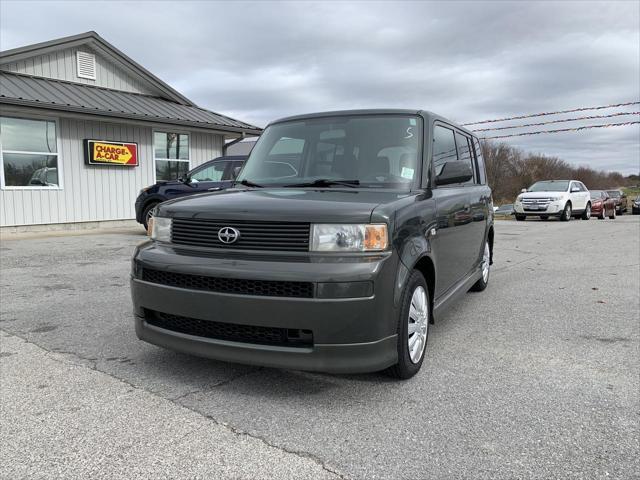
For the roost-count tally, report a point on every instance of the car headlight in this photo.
(555, 198)
(338, 237)
(160, 229)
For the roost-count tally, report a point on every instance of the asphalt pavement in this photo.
(536, 377)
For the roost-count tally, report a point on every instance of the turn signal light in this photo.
(375, 237)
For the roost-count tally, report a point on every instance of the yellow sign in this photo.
(100, 152)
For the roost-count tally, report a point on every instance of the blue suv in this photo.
(216, 174)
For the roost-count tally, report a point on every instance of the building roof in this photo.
(99, 44)
(40, 92)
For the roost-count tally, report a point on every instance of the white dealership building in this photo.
(84, 128)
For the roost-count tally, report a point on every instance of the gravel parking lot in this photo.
(537, 377)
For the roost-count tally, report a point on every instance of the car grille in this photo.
(535, 203)
(265, 288)
(253, 235)
(230, 331)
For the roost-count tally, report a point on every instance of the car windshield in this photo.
(356, 151)
(614, 193)
(550, 186)
(596, 193)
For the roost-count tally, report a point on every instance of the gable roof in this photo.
(39, 92)
(103, 47)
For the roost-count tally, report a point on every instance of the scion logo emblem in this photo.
(228, 235)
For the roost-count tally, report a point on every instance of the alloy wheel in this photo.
(417, 324)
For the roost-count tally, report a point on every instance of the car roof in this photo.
(430, 116)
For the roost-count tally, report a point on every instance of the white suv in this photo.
(554, 198)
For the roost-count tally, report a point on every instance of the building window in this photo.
(171, 155)
(28, 153)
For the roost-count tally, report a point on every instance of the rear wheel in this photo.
(147, 214)
(413, 327)
(566, 213)
(520, 218)
(586, 215)
(482, 283)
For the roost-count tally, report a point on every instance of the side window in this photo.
(584, 189)
(464, 151)
(574, 187)
(444, 148)
(482, 174)
(235, 170)
(212, 173)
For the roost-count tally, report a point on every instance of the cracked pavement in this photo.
(536, 377)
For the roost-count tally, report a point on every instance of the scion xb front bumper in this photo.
(351, 313)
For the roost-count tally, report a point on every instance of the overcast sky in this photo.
(257, 61)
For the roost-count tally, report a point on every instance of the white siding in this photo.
(95, 193)
(62, 65)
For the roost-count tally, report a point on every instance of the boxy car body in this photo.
(338, 262)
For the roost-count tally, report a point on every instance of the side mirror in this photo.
(185, 179)
(524, 190)
(454, 172)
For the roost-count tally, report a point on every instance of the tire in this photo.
(146, 214)
(482, 283)
(407, 365)
(586, 215)
(566, 213)
(603, 214)
(544, 218)
(520, 218)
(613, 214)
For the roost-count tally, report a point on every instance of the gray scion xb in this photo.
(345, 235)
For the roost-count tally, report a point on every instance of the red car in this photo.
(602, 205)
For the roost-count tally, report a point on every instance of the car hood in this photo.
(282, 204)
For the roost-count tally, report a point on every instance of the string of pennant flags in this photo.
(591, 117)
(556, 121)
(543, 114)
(559, 130)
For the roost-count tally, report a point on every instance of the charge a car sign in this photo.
(102, 152)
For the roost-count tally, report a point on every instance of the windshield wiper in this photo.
(249, 183)
(326, 182)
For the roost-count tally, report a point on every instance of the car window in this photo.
(464, 152)
(211, 173)
(480, 159)
(234, 170)
(444, 148)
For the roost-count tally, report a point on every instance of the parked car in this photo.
(602, 206)
(504, 210)
(45, 176)
(554, 198)
(635, 206)
(340, 267)
(216, 174)
(621, 200)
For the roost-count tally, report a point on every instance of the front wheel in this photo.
(613, 214)
(566, 213)
(586, 215)
(603, 214)
(147, 214)
(413, 327)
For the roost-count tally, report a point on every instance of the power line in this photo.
(575, 129)
(592, 117)
(552, 113)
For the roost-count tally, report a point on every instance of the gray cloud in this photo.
(467, 60)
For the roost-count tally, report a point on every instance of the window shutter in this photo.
(86, 65)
